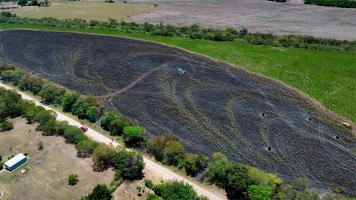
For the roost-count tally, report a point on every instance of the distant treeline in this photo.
(192, 32)
(333, 3)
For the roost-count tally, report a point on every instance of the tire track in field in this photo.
(131, 85)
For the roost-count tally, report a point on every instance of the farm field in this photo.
(84, 10)
(47, 171)
(209, 105)
(263, 16)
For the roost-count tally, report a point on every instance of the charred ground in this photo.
(210, 106)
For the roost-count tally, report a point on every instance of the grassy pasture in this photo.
(329, 77)
(84, 10)
(47, 171)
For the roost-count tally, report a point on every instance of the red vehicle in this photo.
(84, 128)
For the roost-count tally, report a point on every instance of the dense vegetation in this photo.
(333, 3)
(192, 32)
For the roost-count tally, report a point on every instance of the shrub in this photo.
(6, 126)
(158, 143)
(134, 136)
(101, 191)
(107, 118)
(103, 157)
(174, 153)
(130, 164)
(68, 99)
(86, 148)
(40, 145)
(74, 135)
(193, 164)
(259, 192)
(149, 183)
(73, 179)
(50, 93)
(152, 197)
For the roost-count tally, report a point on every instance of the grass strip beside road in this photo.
(328, 77)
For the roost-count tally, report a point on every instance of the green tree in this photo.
(176, 190)
(230, 176)
(130, 164)
(6, 126)
(259, 192)
(49, 93)
(300, 184)
(74, 135)
(68, 99)
(44, 116)
(86, 148)
(193, 164)
(158, 143)
(259, 177)
(80, 108)
(93, 113)
(134, 136)
(103, 157)
(174, 153)
(117, 125)
(107, 118)
(100, 192)
(73, 179)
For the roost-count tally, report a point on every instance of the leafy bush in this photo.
(73, 179)
(101, 191)
(86, 148)
(193, 164)
(158, 143)
(130, 164)
(259, 192)
(40, 145)
(6, 126)
(103, 157)
(74, 135)
(149, 183)
(174, 153)
(134, 136)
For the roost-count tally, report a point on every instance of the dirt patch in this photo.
(263, 16)
(209, 105)
(47, 171)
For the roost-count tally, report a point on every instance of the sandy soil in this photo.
(257, 16)
(47, 172)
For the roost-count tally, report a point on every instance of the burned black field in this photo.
(209, 105)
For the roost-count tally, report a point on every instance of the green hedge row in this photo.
(333, 3)
(193, 32)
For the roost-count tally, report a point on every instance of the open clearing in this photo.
(209, 105)
(264, 16)
(47, 171)
(84, 10)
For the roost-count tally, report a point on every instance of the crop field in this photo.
(84, 10)
(209, 105)
(47, 171)
(264, 16)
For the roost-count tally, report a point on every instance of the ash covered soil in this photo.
(211, 106)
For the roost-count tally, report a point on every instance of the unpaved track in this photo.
(165, 173)
(131, 85)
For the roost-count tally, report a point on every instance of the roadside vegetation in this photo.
(333, 3)
(325, 74)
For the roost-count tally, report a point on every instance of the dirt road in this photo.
(164, 172)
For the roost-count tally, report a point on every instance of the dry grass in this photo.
(84, 10)
(47, 172)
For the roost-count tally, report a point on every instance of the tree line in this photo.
(193, 32)
(333, 3)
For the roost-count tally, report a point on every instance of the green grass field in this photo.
(329, 77)
(84, 10)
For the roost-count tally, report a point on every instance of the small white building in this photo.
(15, 162)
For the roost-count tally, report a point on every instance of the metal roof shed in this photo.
(15, 162)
